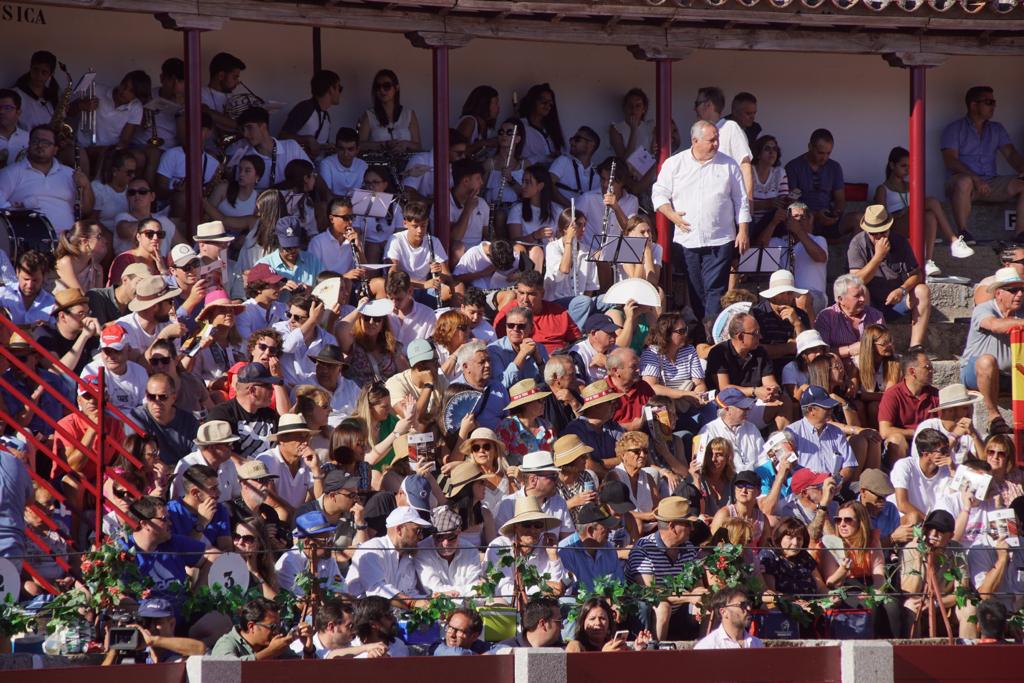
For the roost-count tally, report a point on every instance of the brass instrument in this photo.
(501, 185)
(364, 285)
(238, 102)
(223, 143)
(59, 121)
(150, 122)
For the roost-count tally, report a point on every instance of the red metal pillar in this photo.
(442, 227)
(193, 128)
(917, 160)
(101, 437)
(663, 97)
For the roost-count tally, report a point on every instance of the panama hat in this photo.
(569, 448)
(954, 396)
(674, 509)
(781, 281)
(1005, 277)
(212, 232)
(597, 393)
(151, 291)
(528, 510)
(290, 423)
(525, 391)
(461, 476)
(876, 219)
(482, 434)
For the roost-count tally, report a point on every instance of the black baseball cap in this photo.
(615, 495)
(941, 521)
(257, 373)
(747, 477)
(336, 480)
(592, 512)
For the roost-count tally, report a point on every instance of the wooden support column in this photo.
(663, 57)
(191, 27)
(440, 44)
(917, 64)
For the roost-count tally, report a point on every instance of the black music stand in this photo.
(617, 249)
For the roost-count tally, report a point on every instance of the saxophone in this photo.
(59, 121)
(219, 173)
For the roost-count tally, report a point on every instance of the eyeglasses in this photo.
(298, 318)
(745, 605)
(140, 192)
(122, 494)
(150, 234)
(516, 326)
(744, 485)
(481, 447)
(269, 627)
(992, 451)
(752, 334)
(111, 351)
(845, 520)
(157, 397)
(383, 85)
(637, 450)
(270, 350)
(445, 538)
(244, 538)
(347, 217)
(531, 525)
(456, 629)
(374, 320)
(159, 360)
(1013, 290)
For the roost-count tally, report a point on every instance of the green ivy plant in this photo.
(13, 618)
(438, 609)
(217, 598)
(533, 580)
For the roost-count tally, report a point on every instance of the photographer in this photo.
(155, 635)
(260, 635)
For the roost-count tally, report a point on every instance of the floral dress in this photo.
(519, 440)
(792, 576)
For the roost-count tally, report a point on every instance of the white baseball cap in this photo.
(404, 514)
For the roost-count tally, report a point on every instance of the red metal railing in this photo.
(96, 453)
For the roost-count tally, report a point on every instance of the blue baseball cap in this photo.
(257, 373)
(417, 491)
(287, 230)
(312, 523)
(817, 396)
(731, 396)
(156, 608)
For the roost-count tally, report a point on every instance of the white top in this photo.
(295, 352)
(242, 207)
(657, 255)
(273, 173)
(111, 118)
(379, 230)
(419, 323)
(342, 181)
(343, 400)
(166, 116)
(777, 185)
(570, 173)
(332, 254)
(378, 568)
(34, 110)
(214, 99)
(710, 193)
(399, 130)
(745, 439)
(558, 285)
(672, 372)
(585, 350)
(493, 182)
(15, 144)
(732, 141)
(922, 492)
(807, 273)
(52, 194)
(125, 391)
(138, 338)
(291, 489)
(475, 260)
(414, 260)
(643, 499)
(592, 206)
(643, 137)
(437, 575)
(477, 222)
(227, 477)
(720, 640)
(963, 446)
(294, 562)
(173, 166)
(538, 147)
(555, 506)
(395, 649)
(109, 203)
(515, 215)
(538, 559)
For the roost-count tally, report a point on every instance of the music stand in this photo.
(617, 249)
(760, 260)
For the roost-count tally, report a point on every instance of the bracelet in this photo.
(318, 477)
(361, 527)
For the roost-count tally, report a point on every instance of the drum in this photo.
(24, 229)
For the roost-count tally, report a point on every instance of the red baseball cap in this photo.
(113, 337)
(804, 479)
(261, 272)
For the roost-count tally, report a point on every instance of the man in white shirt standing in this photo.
(445, 563)
(701, 191)
(733, 142)
(733, 605)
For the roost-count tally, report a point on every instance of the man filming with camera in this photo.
(152, 634)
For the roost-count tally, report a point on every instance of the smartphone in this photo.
(708, 395)
(621, 635)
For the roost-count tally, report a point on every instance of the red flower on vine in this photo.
(722, 563)
(86, 566)
(122, 556)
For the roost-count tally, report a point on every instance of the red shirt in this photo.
(902, 409)
(552, 327)
(631, 405)
(76, 425)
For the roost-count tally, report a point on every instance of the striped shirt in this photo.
(648, 558)
(685, 367)
(838, 330)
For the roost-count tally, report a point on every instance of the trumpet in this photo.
(239, 102)
(150, 122)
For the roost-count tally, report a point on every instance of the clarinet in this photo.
(430, 251)
(608, 209)
(78, 188)
(573, 247)
(501, 185)
(364, 285)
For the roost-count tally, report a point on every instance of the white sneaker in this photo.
(931, 269)
(959, 248)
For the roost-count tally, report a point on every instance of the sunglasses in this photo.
(373, 319)
(992, 451)
(481, 447)
(134, 192)
(154, 233)
(157, 397)
(160, 360)
(271, 350)
(243, 538)
(745, 605)
(298, 318)
(188, 267)
(445, 538)
(516, 326)
(347, 217)
(845, 520)
(122, 494)
(531, 525)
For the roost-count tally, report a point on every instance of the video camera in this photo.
(125, 638)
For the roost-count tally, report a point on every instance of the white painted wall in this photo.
(860, 98)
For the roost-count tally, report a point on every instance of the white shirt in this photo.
(125, 391)
(437, 575)
(419, 323)
(340, 179)
(294, 562)
(720, 640)
(227, 477)
(710, 193)
(732, 141)
(746, 443)
(333, 255)
(172, 166)
(538, 559)
(558, 285)
(572, 174)
(414, 260)
(395, 649)
(109, 203)
(378, 568)
(292, 489)
(963, 446)
(111, 118)
(138, 338)
(52, 193)
(475, 259)
(922, 492)
(166, 114)
(554, 506)
(477, 222)
(592, 206)
(295, 352)
(515, 215)
(419, 174)
(34, 110)
(586, 352)
(343, 400)
(273, 172)
(380, 230)
(492, 183)
(807, 273)
(538, 147)
(15, 144)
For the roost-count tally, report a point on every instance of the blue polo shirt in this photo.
(576, 559)
(502, 355)
(167, 564)
(816, 187)
(977, 151)
(887, 520)
(305, 271)
(183, 521)
(603, 442)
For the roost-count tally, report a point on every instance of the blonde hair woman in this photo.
(78, 257)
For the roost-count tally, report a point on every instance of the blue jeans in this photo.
(707, 274)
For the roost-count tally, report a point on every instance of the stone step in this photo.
(951, 302)
(943, 340)
(988, 222)
(983, 263)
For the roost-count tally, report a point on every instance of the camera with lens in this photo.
(123, 637)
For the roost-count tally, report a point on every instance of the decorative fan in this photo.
(1004, 6)
(877, 5)
(812, 4)
(941, 5)
(910, 5)
(460, 404)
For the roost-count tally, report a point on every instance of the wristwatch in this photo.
(361, 527)
(821, 508)
(428, 386)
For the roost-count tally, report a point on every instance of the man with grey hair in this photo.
(561, 406)
(475, 367)
(516, 354)
(624, 377)
(701, 191)
(842, 323)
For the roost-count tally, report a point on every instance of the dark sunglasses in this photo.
(134, 192)
(481, 447)
(516, 326)
(188, 267)
(298, 318)
(531, 525)
(441, 538)
(157, 397)
(160, 360)
(845, 520)
(348, 217)
(272, 350)
(243, 538)
(121, 493)
(154, 233)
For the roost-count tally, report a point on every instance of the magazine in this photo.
(1002, 523)
(978, 482)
